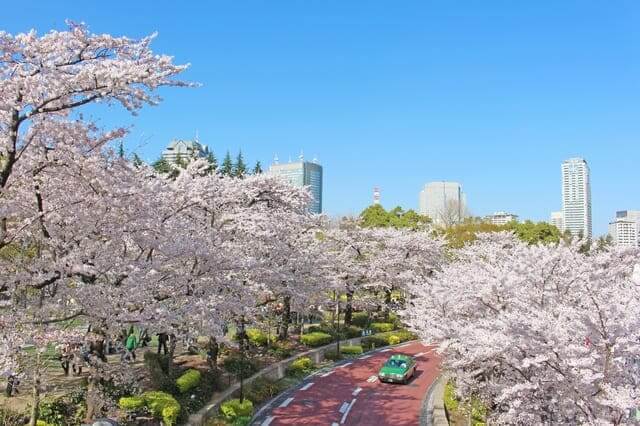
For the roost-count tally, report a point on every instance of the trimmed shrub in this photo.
(315, 329)
(300, 367)
(331, 355)
(242, 421)
(351, 332)
(360, 319)
(188, 380)
(263, 389)
(257, 336)
(237, 365)
(384, 339)
(394, 340)
(382, 327)
(131, 403)
(282, 350)
(162, 406)
(316, 339)
(351, 350)
(233, 408)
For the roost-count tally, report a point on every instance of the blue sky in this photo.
(493, 94)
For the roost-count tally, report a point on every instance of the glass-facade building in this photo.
(300, 174)
(576, 197)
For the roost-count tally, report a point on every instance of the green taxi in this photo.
(398, 369)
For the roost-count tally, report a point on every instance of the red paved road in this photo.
(326, 400)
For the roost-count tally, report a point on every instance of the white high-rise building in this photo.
(625, 229)
(443, 202)
(576, 197)
(557, 220)
(502, 218)
(184, 150)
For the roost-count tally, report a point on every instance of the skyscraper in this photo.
(443, 202)
(576, 197)
(302, 173)
(625, 228)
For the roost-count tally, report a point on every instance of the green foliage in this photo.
(316, 339)
(257, 169)
(239, 168)
(331, 355)
(226, 169)
(360, 319)
(282, 350)
(188, 380)
(213, 163)
(163, 406)
(257, 336)
(382, 327)
(394, 340)
(345, 332)
(12, 418)
(351, 350)
(240, 366)
(137, 161)
(300, 367)
(242, 421)
(532, 233)
(376, 216)
(263, 389)
(455, 406)
(385, 339)
(131, 403)
(158, 367)
(63, 410)
(233, 408)
(162, 166)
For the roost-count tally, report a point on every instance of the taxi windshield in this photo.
(396, 363)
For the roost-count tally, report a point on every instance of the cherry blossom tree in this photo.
(543, 334)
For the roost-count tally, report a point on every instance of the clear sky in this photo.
(493, 94)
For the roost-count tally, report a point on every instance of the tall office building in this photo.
(625, 228)
(184, 149)
(576, 197)
(557, 220)
(443, 202)
(302, 173)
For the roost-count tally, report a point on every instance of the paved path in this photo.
(350, 393)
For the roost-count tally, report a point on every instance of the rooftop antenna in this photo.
(197, 136)
(275, 159)
(315, 160)
(301, 157)
(376, 195)
(289, 158)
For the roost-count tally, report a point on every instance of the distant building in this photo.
(502, 218)
(443, 202)
(576, 197)
(376, 195)
(185, 150)
(302, 173)
(557, 220)
(625, 229)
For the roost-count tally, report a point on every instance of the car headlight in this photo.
(381, 374)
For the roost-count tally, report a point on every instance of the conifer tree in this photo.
(137, 161)
(161, 165)
(121, 150)
(257, 169)
(213, 162)
(226, 169)
(239, 168)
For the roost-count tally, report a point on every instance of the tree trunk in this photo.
(348, 309)
(286, 319)
(387, 303)
(92, 397)
(35, 408)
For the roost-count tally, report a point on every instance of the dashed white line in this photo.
(386, 350)
(327, 374)
(307, 386)
(357, 391)
(286, 402)
(346, 365)
(267, 421)
(343, 407)
(418, 354)
(346, 413)
(406, 344)
(365, 357)
(334, 424)
(372, 379)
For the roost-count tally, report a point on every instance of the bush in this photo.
(238, 365)
(131, 403)
(188, 380)
(263, 389)
(351, 332)
(394, 340)
(282, 350)
(158, 366)
(242, 421)
(382, 327)
(316, 339)
(162, 406)
(62, 410)
(257, 337)
(384, 339)
(351, 350)
(316, 328)
(233, 408)
(300, 367)
(360, 319)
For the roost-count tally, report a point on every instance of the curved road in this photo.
(350, 393)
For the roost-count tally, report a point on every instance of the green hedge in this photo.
(382, 327)
(160, 404)
(282, 350)
(351, 350)
(360, 319)
(263, 389)
(257, 336)
(233, 409)
(316, 339)
(385, 339)
(188, 380)
(331, 355)
(131, 403)
(300, 367)
(237, 365)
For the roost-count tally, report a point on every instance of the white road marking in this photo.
(327, 374)
(418, 354)
(346, 365)
(267, 421)
(406, 344)
(307, 386)
(372, 379)
(286, 402)
(365, 357)
(385, 350)
(346, 413)
(334, 424)
(357, 391)
(343, 407)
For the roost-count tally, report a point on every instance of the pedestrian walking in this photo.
(130, 347)
(162, 342)
(212, 352)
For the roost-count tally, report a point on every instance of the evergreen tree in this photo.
(226, 169)
(161, 165)
(240, 168)
(213, 163)
(257, 169)
(137, 161)
(121, 150)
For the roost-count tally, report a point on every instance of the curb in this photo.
(433, 410)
